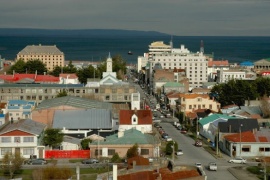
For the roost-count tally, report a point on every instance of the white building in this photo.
(69, 79)
(224, 76)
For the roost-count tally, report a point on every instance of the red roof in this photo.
(46, 78)
(218, 63)
(245, 137)
(37, 78)
(144, 116)
(68, 76)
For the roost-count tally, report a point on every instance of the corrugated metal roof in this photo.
(214, 117)
(130, 136)
(41, 85)
(26, 125)
(83, 119)
(75, 102)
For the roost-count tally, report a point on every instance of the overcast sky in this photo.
(175, 17)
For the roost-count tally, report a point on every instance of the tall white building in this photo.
(195, 64)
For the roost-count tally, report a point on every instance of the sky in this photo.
(175, 17)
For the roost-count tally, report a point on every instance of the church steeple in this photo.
(109, 63)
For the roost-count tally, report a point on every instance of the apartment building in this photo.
(51, 56)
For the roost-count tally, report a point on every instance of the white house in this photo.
(68, 79)
(138, 119)
(24, 136)
(70, 143)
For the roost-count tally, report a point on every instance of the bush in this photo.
(52, 172)
(116, 158)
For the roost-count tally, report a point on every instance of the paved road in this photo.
(194, 154)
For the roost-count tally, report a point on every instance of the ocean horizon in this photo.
(96, 48)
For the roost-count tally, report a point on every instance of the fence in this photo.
(59, 154)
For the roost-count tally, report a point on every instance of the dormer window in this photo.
(134, 120)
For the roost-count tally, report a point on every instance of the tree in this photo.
(115, 158)
(56, 71)
(133, 151)
(12, 163)
(18, 67)
(35, 66)
(62, 93)
(52, 172)
(53, 137)
(85, 73)
(265, 106)
(169, 146)
(85, 143)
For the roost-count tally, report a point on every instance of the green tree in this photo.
(85, 143)
(34, 66)
(169, 149)
(53, 137)
(56, 71)
(133, 151)
(12, 163)
(18, 67)
(85, 73)
(62, 93)
(70, 68)
(262, 86)
(115, 158)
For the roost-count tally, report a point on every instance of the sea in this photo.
(97, 48)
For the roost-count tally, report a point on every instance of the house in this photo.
(29, 78)
(2, 119)
(148, 145)
(70, 143)
(214, 66)
(19, 109)
(173, 86)
(191, 102)
(69, 79)
(138, 119)
(78, 123)
(24, 136)
(247, 144)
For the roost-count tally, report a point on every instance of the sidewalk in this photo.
(241, 173)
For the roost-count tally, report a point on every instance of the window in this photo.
(246, 149)
(6, 139)
(111, 151)
(134, 119)
(107, 97)
(28, 139)
(28, 151)
(144, 151)
(210, 106)
(190, 106)
(5, 150)
(17, 139)
(98, 154)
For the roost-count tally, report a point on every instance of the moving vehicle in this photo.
(179, 152)
(39, 161)
(238, 160)
(89, 161)
(212, 166)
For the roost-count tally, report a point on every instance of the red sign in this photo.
(59, 154)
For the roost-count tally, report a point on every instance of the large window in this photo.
(144, 151)
(28, 151)
(246, 149)
(28, 139)
(111, 152)
(5, 139)
(98, 154)
(5, 150)
(17, 139)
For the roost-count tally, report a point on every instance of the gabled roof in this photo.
(25, 125)
(218, 63)
(173, 84)
(249, 136)
(29, 78)
(72, 140)
(193, 96)
(68, 76)
(213, 117)
(173, 94)
(144, 116)
(233, 125)
(74, 102)
(130, 137)
(83, 119)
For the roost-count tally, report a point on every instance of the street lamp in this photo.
(240, 129)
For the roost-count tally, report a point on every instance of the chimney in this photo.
(120, 134)
(114, 172)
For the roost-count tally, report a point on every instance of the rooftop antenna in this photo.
(202, 47)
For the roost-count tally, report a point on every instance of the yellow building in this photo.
(51, 56)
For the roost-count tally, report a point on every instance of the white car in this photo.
(169, 138)
(238, 160)
(161, 116)
(198, 165)
(179, 152)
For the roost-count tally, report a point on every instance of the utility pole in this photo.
(240, 139)
(217, 142)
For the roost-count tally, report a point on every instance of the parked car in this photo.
(198, 164)
(89, 161)
(39, 161)
(179, 152)
(183, 131)
(212, 166)
(165, 135)
(168, 138)
(161, 116)
(238, 160)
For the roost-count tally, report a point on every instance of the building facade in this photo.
(51, 56)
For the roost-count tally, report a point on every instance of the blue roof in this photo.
(17, 102)
(2, 115)
(246, 63)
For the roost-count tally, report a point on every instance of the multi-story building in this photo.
(195, 64)
(214, 66)
(224, 76)
(51, 56)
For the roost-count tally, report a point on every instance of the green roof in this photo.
(130, 136)
(173, 84)
(213, 117)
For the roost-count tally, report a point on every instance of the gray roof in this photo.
(26, 125)
(83, 119)
(40, 49)
(74, 102)
(11, 85)
(72, 140)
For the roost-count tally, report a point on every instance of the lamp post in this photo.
(240, 129)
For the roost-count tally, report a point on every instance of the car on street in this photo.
(183, 131)
(198, 164)
(169, 138)
(238, 160)
(212, 166)
(161, 116)
(89, 161)
(179, 152)
(198, 143)
(39, 161)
